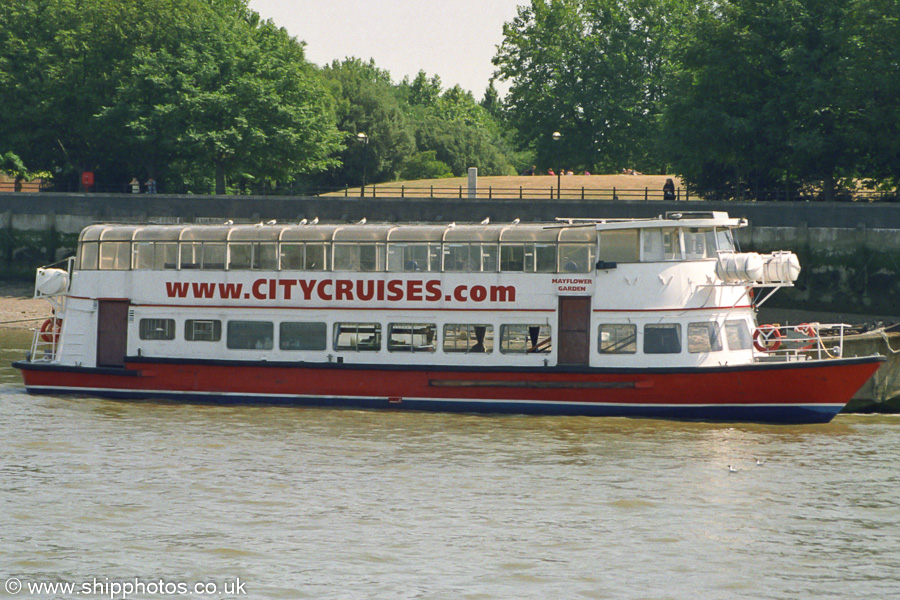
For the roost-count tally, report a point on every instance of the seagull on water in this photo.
(760, 463)
(731, 470)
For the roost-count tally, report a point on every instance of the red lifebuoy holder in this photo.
(50, 330)
(810, 332)
(767, 338)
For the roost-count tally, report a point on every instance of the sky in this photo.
(454, 39)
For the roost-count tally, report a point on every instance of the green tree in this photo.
(595, 71)
(186, 87)
(12, 165)
(872, 78)
(785, 95)
(366, 103)
(425, 165)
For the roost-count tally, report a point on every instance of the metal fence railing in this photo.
(483, 192)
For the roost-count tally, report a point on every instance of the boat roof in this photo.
(562, 230)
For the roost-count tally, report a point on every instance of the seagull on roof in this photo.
(229, 222)
(302, 222)
(486, 221)
(314, 221)
(361, 221)
(272, 222)
(515, 221)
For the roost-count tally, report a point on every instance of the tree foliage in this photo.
(178, 88)
(593, 70)
(780, 96)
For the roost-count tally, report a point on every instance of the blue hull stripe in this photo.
(763, 413)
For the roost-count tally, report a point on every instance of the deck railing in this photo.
(806, 341)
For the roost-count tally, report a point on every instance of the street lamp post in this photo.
(556, 137)
(362, 137)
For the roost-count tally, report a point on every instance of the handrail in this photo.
(804, 341)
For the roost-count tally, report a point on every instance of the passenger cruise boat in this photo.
(637, 318)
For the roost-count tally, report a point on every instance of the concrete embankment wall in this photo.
(850, 252)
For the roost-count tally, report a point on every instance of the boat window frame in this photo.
(166, 334)
(661, 345)
(619, 345)
(712, 340)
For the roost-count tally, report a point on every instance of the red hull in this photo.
(791, 392)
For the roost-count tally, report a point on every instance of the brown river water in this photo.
(162, 500)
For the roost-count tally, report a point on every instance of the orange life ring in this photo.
(50, 330)
(767, 338)
(810, 332)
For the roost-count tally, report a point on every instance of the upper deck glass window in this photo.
(725, 240)
(202, 255)
(242, 255)
(155, 255)
(358, 257)
(115, 255)
(90, 254)
(304, 257)
(577, 258)
(661, 244)
(699, 243)
(413, 257)
(619, 246)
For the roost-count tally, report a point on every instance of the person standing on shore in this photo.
(669, 190)
(135, 185)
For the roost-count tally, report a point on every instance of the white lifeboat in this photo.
(779, 268)
(50, 282)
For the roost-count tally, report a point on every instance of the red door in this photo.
(574, 330)
(112, 333)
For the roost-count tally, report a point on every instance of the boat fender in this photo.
(767, 338)
(810, 332)
(50, 330)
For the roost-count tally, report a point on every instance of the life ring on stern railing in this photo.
(810, 332)
(767, 338)
(50, 330)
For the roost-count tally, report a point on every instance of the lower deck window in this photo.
(618, 339)
(737, 335)
(704, 337)
(302, 336)
(206, 330)
(157, 329)
(412, 337)
(525, 339)
(359, 337)
(662, 339)
(469, 338)
(250, 335)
